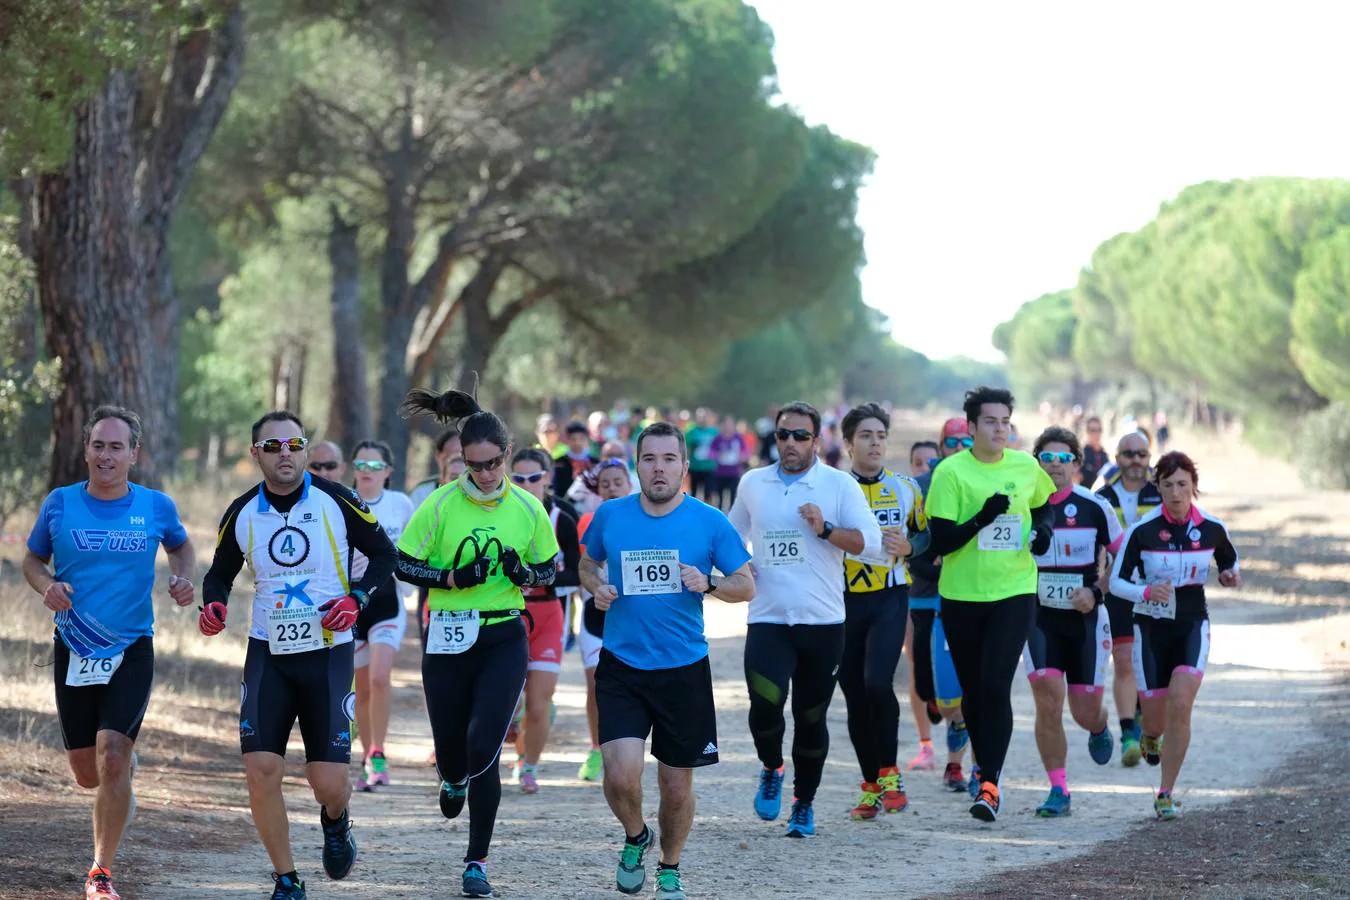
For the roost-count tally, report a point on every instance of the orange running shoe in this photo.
(99, 886)
(869, 804)
(985, 807)
(893, 798)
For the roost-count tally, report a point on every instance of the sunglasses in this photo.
(1046, 456)
(800, 435)
(951, 443)
(274, 445)
(532, 478)
(487, 465)
(1134, 454)
(370, 465)
(323, 466)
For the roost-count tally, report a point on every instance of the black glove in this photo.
(472, 574)
(514, 568)
(994, 507)
(1041, 536)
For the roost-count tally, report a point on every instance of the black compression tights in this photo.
(807, 657)
(986, 641)
(874, 636)
(471, 697)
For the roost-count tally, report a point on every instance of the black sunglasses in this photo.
(1134, 454)
(487, 465)
(801, 435)
(324, 466)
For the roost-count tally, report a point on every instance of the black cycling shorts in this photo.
(675, 706)
(1163, 646)
(313, 687)
(1065, 643)
(1122, 620)
(117, 706)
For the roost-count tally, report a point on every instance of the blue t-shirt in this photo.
(661, 631)
(105, 550)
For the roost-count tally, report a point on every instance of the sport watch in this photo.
(826, 531)
(712, 585)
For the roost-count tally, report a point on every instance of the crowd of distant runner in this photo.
(606, 534)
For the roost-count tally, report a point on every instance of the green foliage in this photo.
(1039, 344)
(1322, 450)
(1321, 317)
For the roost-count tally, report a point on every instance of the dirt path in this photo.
(1264, 700)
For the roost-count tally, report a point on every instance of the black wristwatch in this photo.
(826, 531)
(712, 585)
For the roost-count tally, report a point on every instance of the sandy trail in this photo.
(1274, 644)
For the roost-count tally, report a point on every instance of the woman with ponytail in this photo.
(475, 543)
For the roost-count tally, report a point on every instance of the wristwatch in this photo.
(712, 585)
(361, 597)
(826, 531)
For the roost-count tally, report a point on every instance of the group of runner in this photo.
(979, 557)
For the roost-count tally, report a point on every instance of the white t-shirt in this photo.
(393, 509)
(799, 578)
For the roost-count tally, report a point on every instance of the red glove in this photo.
(212, 619)
(341, 613)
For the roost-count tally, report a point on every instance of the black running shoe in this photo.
(452, 799)
(288, 888)
(339, 847)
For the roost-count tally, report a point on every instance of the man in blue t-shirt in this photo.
(102, 536)
(649, 562)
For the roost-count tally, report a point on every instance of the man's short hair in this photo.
(115, 412)
(662, 429)
(576, 426)
(276, 415)
(977, 398)
(799, 408)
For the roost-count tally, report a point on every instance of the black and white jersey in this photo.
(1156, 549)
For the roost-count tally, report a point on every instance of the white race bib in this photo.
(1002, 534)
(453, 632)
(294, 629)
(782, 547)
(1056, 588)
(88, 672)
(1157, 609)
(1158, 568)
(648, 572)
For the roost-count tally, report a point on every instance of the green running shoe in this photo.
(593, 769)
(668, 885)
(1165, 808)
(632, 874)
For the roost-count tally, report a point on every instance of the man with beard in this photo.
(648, 562)
(1131, 493)
(801, 517)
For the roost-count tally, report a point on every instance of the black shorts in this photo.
(1122, 620)
(117, 706)
(1064, 642)
(383, 606)
(314, 687)
(1163, 646)
(675, 706)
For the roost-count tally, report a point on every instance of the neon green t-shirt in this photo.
(448, 530)
(996, 563)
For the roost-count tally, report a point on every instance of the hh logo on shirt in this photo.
(96, 539)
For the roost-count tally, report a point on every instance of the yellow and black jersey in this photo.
(1130, 508)
(897, 502)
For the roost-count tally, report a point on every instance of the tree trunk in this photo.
(288, 375)
(399, 313)
(349, 411)
(92, 279)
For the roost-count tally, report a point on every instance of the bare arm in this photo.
(738, 587)
(590, 573)
(183, 560)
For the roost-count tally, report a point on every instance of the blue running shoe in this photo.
(288, 887)
(957, 737)
(1100, 746)
(802, 821)
(1056, 805)
(973, 786)
(769, 797)
(339, 847)
(475, 883)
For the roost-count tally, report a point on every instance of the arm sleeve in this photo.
(922, 563)
(948, 537)
(856, 513)
(1043, 515)
(1225, 554)
(411, 570)
(228, 558)
(543, 546)
(40, 538)
(166, 512)
(569, 544)
(728, 550)
(365, 534)
(1123, 572)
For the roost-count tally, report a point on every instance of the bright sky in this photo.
(1013, 138)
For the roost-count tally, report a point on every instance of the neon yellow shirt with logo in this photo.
(449, 530)
(978, 572)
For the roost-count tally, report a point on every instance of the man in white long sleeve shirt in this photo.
(800, 517)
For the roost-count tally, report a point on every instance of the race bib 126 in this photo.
(647, 572)
(782, 547)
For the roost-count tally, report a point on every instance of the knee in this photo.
(114, 762)
(878, 689)
(262, 770)
(86, 771)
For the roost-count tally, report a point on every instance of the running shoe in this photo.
(528, 783)
(869, 803)
(926, 760)
(452, 799)
(985, 807)
(475, 883)
(1056, 805)
(802, 821)
(1152, 747)
(361, 783)
(288, 887)
(1165, 808)
(339, 847)
(893, 798)
(377, 771)
(957, 737)
(668, 886)
(1100, 746)
(632, 874)
(953, 779)
(593, 768)
(1130, 754)
(769, 797)
(934, 715)
(973, 786)
(99, 886)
